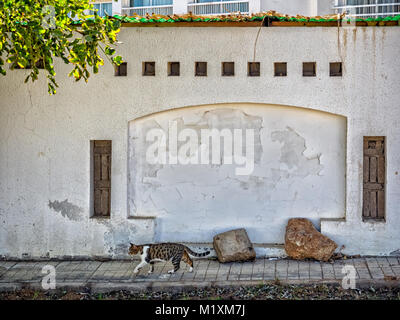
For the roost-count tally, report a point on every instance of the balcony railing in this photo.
(141, 11)
(220, 7)
(368, 10)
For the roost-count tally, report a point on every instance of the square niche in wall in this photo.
(149, 68)
(121, 70)
(228, 69)
(200, 69)
(309, 69)
(335, 69)
(280, 69)
(253, 69)
(173, 69)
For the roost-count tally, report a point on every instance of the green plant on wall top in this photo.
(35, 32)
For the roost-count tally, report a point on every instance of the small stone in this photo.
(234, 245)
(303, 241)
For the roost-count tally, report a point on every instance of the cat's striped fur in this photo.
(175, 252)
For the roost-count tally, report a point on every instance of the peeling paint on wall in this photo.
(67, 209)
(117, 239)
(292, 153)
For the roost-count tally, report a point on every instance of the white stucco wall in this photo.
(301, 7)
(45, 140)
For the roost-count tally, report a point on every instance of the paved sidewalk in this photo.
(117, 275)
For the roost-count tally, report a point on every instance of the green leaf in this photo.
(117, 60)
(30, 32)
(109, 51)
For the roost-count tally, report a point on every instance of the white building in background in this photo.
(211, 7)
(359, 8)
(368, 8)
(105, 7)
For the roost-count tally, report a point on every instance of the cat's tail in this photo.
(195, 254)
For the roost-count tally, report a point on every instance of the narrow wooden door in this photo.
(374, 178)
(102, 177)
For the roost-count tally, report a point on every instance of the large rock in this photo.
(302, 241)
(234, 245)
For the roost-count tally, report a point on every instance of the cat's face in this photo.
(133, 249)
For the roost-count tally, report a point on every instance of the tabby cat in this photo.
(150, 253)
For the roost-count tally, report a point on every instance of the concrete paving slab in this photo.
(380, 271)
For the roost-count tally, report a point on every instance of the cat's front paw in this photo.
(136, 271)
(150, 272)
(171, 271)
(190, 269)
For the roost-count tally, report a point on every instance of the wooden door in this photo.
(102, 177)
(374, 178)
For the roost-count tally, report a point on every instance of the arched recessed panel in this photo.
(207, 169)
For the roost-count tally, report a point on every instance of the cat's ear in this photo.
(131, 244)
